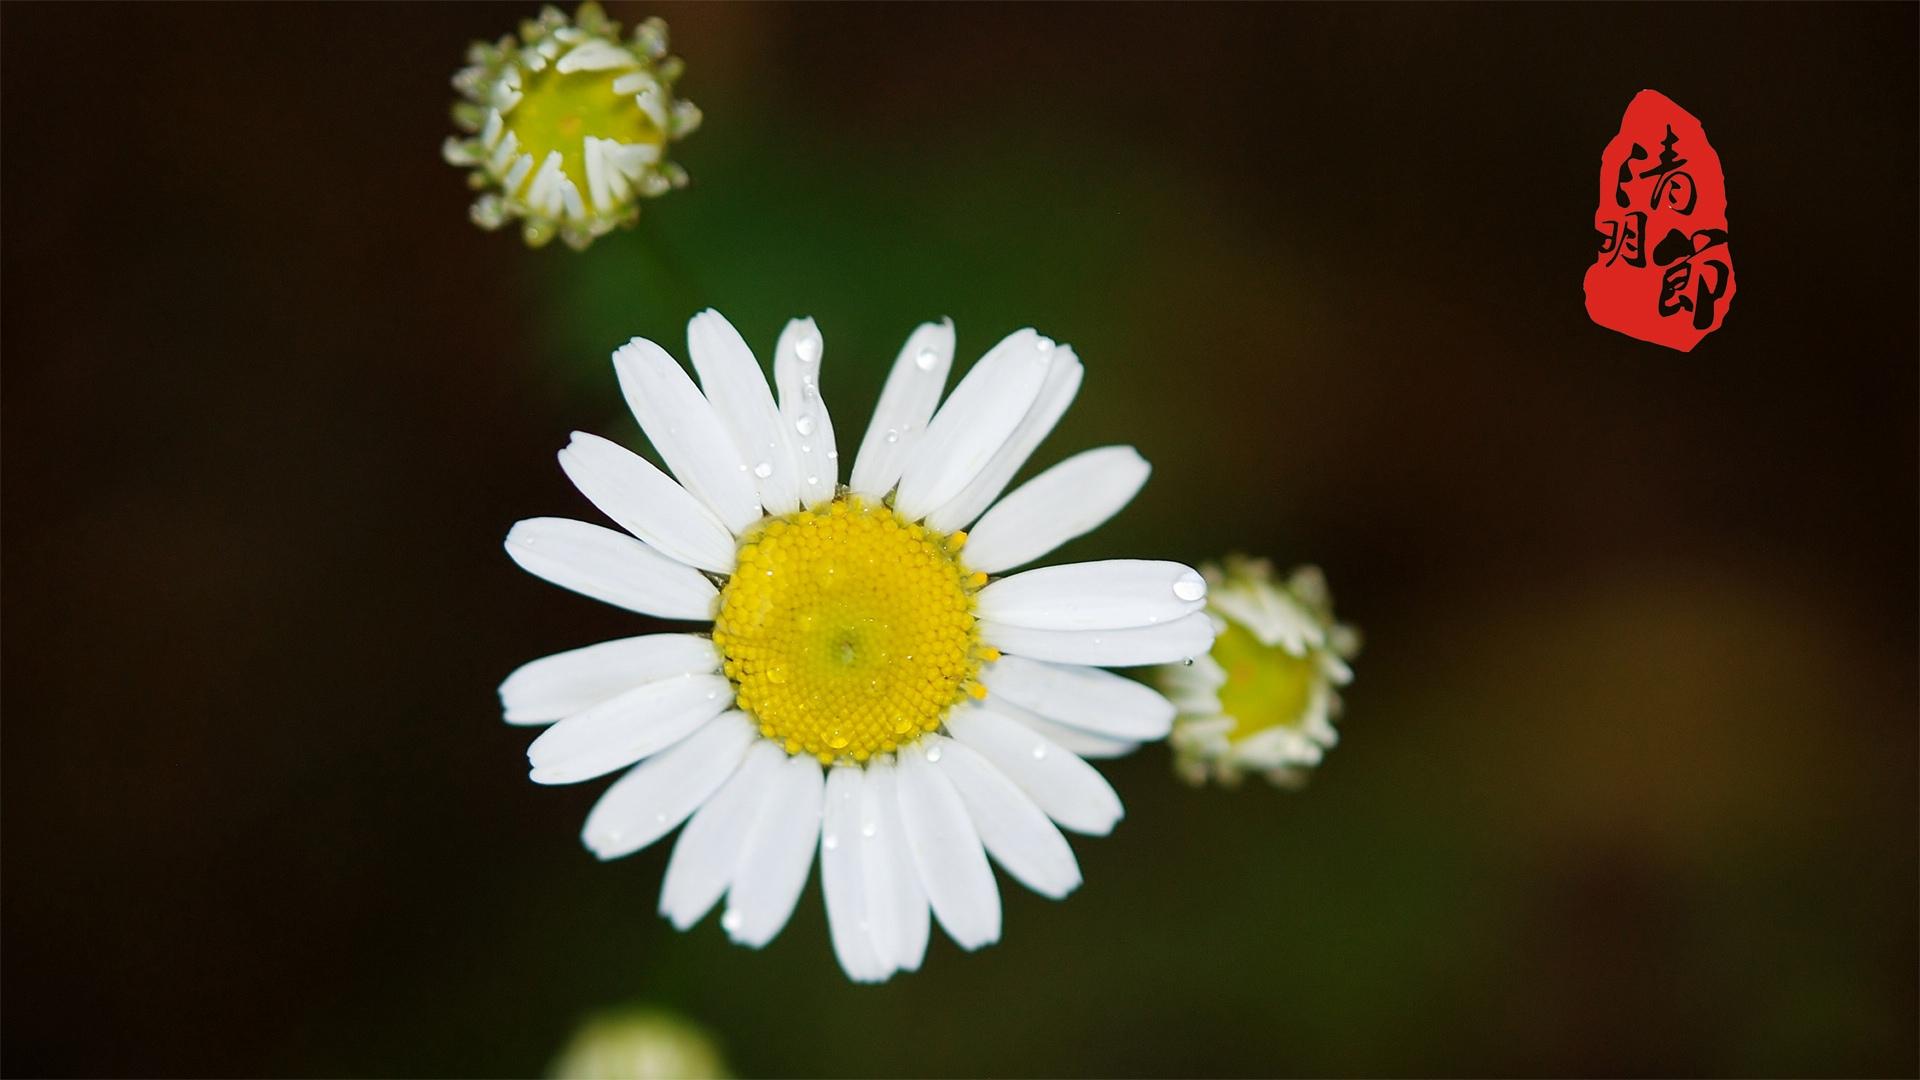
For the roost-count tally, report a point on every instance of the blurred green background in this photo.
(1628, 783)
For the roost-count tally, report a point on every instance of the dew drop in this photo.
(926, 359)
(1190, 587)
(1045, 346)
(730, 922)
(659, 819)
(807, 349)
(1039, 751)
(892, 435)
(868, 828)
(812, 480)
(830, 842)
(763, 470)
(1188, 661)
(933, 753)
(804, 425)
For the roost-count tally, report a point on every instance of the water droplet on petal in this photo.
(868, 828)
(730, 922)
(763, 470)
(1045, 346)
(892, 435)
(933, 753)
(1191, 586)
(804, 425)
(1039, 751)
(926, 359)
(830, 842)
(807, 349)
(1188, 661)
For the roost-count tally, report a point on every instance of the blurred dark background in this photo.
(1628, 782)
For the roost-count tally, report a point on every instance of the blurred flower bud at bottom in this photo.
(639, 1044)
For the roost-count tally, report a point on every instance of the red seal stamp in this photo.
(1664, 272)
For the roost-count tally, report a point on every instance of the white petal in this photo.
(1071, 791)
(1111, 595)
(621, 731)
(708, 851)
(896, 904)
(734, 384)
(1084, 697)
(551, 687)
(1056, 393)
(1272, 615)
(843, 877)
(1015, 831)
(974, 423)
(659, 793)
(647, 503)
(1071, 499)
(1167, 643)
(1194, 688)
(906, 404)
(779, 852)
(803, 412)
(1079, 741)
(687, 432)
(947, 852)
(610, 566)
(595, 55)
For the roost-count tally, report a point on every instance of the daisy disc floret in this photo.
(847, 631)
(567, 125)
(868, 689)
(1264, 698)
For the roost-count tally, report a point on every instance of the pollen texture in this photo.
(847, 631)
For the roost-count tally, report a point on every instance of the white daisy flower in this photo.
(1264, 698)
(866, 690)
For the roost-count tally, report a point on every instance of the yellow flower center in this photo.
(558, 112)
(1266, 686)
(848, 632)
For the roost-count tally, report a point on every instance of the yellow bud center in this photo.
(1266, 686)
(558, 112)
(848, 632)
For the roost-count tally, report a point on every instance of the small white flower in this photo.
(566, 127)
(865, 691)
(1264, 698)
